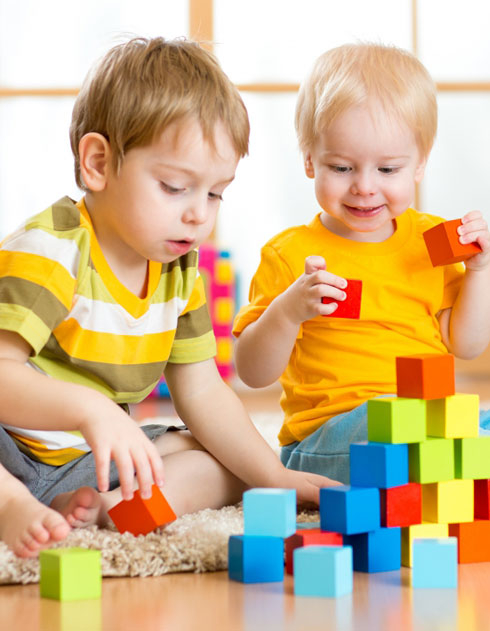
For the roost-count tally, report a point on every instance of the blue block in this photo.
(270, 512)
(381, 465)
(349, 509)
(376, 551)
(323, 571)
(255, 559)
(435, 562)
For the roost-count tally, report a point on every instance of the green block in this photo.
(396, 420)
(431, 461)
(472, 458)
(70, 574)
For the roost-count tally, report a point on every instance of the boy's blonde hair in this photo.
(142, 86)
(365, 73)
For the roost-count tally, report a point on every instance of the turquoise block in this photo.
(255, 559)
(435, 562)
(323, 571)
(270, 512)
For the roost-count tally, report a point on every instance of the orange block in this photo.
(473, 540)
(139, 516)
(425, 376)
(443, 244)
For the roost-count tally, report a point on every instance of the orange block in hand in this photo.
(443, 244)
(139, 516)
(425, 376)
(473, 540)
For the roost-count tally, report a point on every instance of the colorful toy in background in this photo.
(216, 268)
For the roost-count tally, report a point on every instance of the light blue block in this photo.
(255, 559)
(349, 509)
(376, 551)
(270, 512)
(323, 571)
(435, 562)
(381, 465)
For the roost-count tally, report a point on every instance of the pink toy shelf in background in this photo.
(216, 268)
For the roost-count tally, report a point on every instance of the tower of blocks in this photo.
(419, 496)
(218, 272)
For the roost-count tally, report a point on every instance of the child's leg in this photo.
(26, 525)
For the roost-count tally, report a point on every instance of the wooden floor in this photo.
(199, 602)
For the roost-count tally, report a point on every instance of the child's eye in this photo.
(388, 170)
(172, 190)
(338, 168)
(215, 196)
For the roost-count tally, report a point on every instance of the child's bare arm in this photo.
(466, 326)
(31, 400)
(218, 420)
(263, 349)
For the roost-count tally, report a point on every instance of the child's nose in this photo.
(363, 184)
(197, 212)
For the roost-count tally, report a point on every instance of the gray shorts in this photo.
(46, 481)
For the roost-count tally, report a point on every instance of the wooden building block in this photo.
(456, 416)
(443, 246)
(431, 460)
(140, 516)
(376, 551)
(396, 420)
(323, 571)
(270, 512)
(380, 465)
(482, 499)
(70, 574)
(448, 502)
(309, 537)
(472, 458)
(349, 509)
(255, 559)
(351, 306)
(420, 531)
(401, 505)
(473, 540)
(435, 562)
(425, 376)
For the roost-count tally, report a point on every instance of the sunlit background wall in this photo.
(51, 44)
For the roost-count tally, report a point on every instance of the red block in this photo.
(473, 540)
(309, 537)
(351, 306)
(482, 499)
(139, 516)
(443, 244)
(425, 376)
(401, 505)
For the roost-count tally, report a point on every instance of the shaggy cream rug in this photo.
(193, 543)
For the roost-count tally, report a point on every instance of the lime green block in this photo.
(396, 420)
(472, 458)
(457, 416)
(431, 461)
(70, 574)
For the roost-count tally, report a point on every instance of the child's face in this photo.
(365, 167)
(163, 202)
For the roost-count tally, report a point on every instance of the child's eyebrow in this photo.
(190, 172)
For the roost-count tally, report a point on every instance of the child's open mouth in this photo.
(367, 211)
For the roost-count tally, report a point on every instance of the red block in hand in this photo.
(443, 244)
(139, 516)
(309, 537)
(401, 505)
(351, 306)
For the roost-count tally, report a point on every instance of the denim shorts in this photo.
(46, 481)
(326, 451)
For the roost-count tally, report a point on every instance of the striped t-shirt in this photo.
(58, 292)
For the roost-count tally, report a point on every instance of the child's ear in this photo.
(420, 170)
(309, 169)
(95, 160)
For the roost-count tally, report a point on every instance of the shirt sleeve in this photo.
(453, 278)
(273, 277)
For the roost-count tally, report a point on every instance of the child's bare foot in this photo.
(80, 508)
(26, 525)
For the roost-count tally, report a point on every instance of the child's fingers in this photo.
(314, 263)
(125, 469)
(102, 465)
(144, 473)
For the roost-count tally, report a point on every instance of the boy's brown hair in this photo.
(142, 86)
(372, 74)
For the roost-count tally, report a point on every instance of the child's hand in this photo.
(303, 299)
(475, 228)
(307, 485)
(113, 435)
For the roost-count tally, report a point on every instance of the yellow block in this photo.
(426, 530)
(456, 416)
(448, 502)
